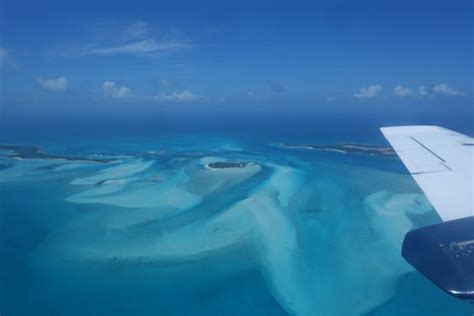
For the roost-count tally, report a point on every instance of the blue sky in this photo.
(240, 55)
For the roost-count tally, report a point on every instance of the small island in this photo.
(226, 165)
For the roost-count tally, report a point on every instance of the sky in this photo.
(89, 57)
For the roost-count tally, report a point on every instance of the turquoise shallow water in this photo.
(152, 230)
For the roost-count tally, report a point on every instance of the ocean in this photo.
(212, 214)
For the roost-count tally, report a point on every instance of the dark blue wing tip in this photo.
(444, 253)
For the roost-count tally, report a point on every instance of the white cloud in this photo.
(53, 84)
(165, 83)
(423, 90)
(5, 59)
(135, 30)
(145, 47)
(368, 92)
(444, 89)
(403, 92)
(276, 86)
(252, 95)
(131, 39)
(178, 96)
(441, 89)
(111, 89)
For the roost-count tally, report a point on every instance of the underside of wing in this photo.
(442, 163)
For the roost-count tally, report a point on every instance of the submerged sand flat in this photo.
(314, 232)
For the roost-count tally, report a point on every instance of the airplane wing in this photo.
(442, 163)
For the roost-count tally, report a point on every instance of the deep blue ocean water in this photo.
(153, 231)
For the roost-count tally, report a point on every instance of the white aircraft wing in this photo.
(442, 163)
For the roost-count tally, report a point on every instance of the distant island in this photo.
(347, 148)
(35, 152)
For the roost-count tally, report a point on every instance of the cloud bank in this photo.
(115, 91)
